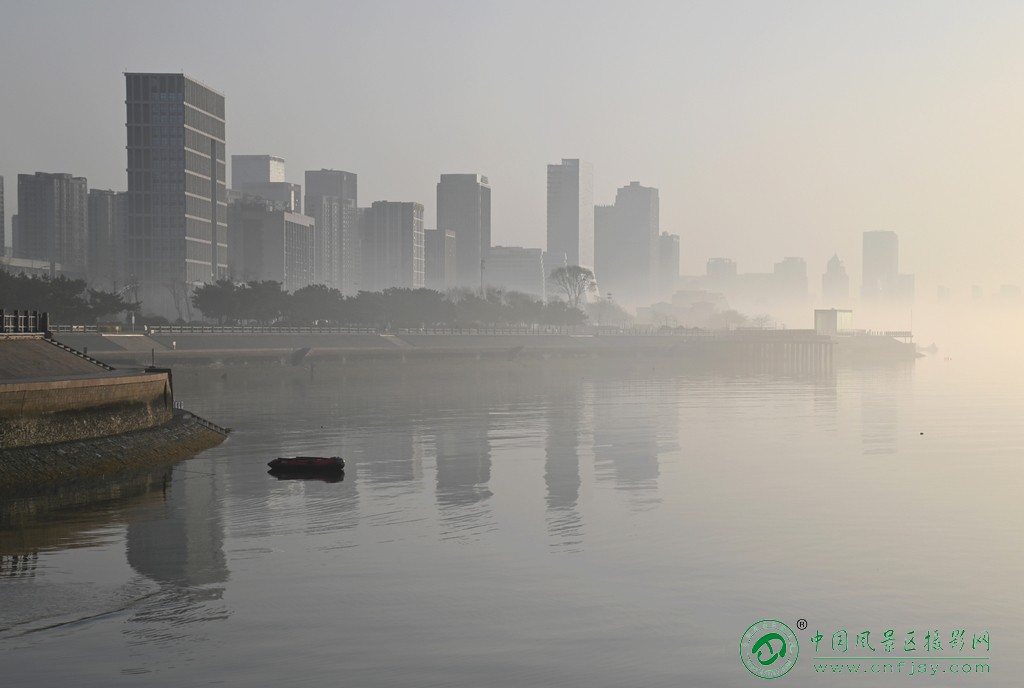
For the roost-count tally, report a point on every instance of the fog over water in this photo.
(531, 523)
(610, 497)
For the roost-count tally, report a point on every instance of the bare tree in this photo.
(575, 281)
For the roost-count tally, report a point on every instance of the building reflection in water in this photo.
(562, 467)
(179, 544)
(628, 416)
(881, 389)
(463, 457)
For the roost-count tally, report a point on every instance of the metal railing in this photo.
(23, 322)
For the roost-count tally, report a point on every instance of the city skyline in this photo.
(758, 152)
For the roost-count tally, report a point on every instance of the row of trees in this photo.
(267, 303)
(67, 300)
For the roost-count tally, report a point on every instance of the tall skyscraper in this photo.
(880, 263)
(439, 252)
(107, 211)
(571, 213)
(332, 202)
(177, 195)
(668, 265)
(835, 283)
(464, 207)
(3, 221)
(393, 246)
(53, 221)
(256, 169)
(626, 245)
(791, 279)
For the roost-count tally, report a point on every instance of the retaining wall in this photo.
(36, 412)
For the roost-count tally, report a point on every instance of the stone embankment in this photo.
(35, 467)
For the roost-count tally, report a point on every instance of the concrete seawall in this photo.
(45, 467)
(50, 411)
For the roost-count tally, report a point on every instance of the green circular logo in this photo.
(769, 649)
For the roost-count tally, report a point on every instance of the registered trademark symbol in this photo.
(801, 624)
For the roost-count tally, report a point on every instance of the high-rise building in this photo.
(514, 268)
(177, 196)
(721, 275)
(668, 265)
(791, 279)
(53, 221)
(835, 283)
(464, 207)
(393, 246)
(571, 213)
(284, 195)
(270, 243)
(332, 201)
(439, 252)
(106, 238)
(3, 221)
(626, 245)
(256, 169)
(880, 262)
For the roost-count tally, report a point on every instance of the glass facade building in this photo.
(176, 228)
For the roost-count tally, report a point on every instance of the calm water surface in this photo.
(533, 524)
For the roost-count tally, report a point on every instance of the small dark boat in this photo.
(308, 464)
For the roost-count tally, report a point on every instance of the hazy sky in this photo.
(771, 128)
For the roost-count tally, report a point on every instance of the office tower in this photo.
(332, 202)
(571, 213)
(53, 221)
(3, 225)
(606, 238)
(256, 169)
(464, 207)
(439, 252)
(262, 176)
(177, 197)
(626, 245)
(791, 279)
(881, 257)
(721, 275)
(270, 243)
(668, 265)
(835, 283)
(107, 211)
(514, 268)
(393, 246)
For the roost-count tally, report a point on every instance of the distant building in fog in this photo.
(53, 221)
(392, 235)
(835, 283)
(256, 169)
(439, 254)
(3, 221)
(570, 213)
(514, 268)
(464, 207)
(626, 242)
(880, 265)
(268, 243)
(721, 275)
(332, 201)
(107, 214)
(668, 265)
(791, 279)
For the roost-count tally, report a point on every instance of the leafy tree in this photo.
(575, 281)
(317, 303)
(264, 301)
(219, 300)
